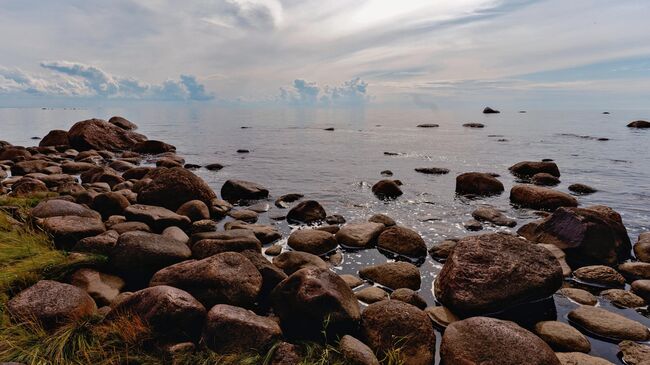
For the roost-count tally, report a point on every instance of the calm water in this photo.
(291, 153)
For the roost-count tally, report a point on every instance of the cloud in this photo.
(77, 79)
(352, 93)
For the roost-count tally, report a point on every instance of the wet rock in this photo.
(168, 163)
(171, 188)
(152, 147)
(537, 197)
(308, 211)
(55, 207)
(393, 275)
(642, 247)
(386, 189)
(292, 261)
(635, 270)
(489, 110)
(580, 296)
(274, 250)
(428, 125)
(608, 324)
(236, 190)
(441, 316)
(351, 280)
(158, 218)
(123, 123)
(560, 256)
(562, 337)
(219, 208)
(587, 235)
(489, 214)
(371, 294)
(168, 311)
(67, 230)
(477, 183)
(386, 173)
(383, 219)
(359, 235)
(55, 137)
(356, 352)
(642, 289)
(228, 278)
(623, 298)
(243, 215)
(195, 210)
(29, 167)
(402, 241)
(311, 298)
(391, 324)
(103, 288)
(491, 272)
(473, 225)
(599, 275)
(443, 249)
(634, 353)
(432, 170)
(408, 296)
(265, 233)
(282, 202)
(544, 179)
(100, 135)
(51, 304)
(214, 166)
(207, 244)
(101, 244)
(527, 169)
(582, 189)
(579, 358)
(474, 125)
(483, 340)
(230, 329)
(313, 241)
(640, 124)
(138, 255)
(111, 203)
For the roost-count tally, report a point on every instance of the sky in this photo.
(334, 53)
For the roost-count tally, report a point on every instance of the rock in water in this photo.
(171, 188)
(314, 241)
(386, 189)
(562, 337)
(359, 235)
(402, 241)
(579, 358)
(641, 124)
(312, 298)
(489, 110)
(392, 324)
(123, 123)
(491, 272)
(582, 189)
(493, 216)
(51, 303)
(98, 134)
(609, 324)
(483, 340)
(153, 147)
(236, 190)
(537, 197)
(393, 275)
(309, 211)
(528, 169)
(55, 137)
(477, 183)
(230, 329)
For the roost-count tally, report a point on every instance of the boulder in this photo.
(123, 123)
(579, 358)
(265, 233)
(67, 230)
(313, 241)
(491, 272)
(100, 135)
(236, 190)
(386, 189)
(55, 137)
(391, 324)
(587, 235)
(489, 110)
(59, 208)
(243, 215)
(225, 278)
(308, 211)
(177, 234)
(484, 340)
(359, 235)
(111, 203)
(138, 255)
(608, 324)
(623, 298)
(103, 288)
(70, 167)
(282, 202)
(409, 296)
(599, 275)
(634, 353)
(195, 210)
(101, 244)
(579, 296)
(402, 241)
(51, 303)
(537, 197)
(642, 247)
(271, 274)
(230, 329)
(27, 186)
(639, 124)
(130, 226)
(137, 173)
(158, 218)
(356, 352)
(371, 294)
(171, 188)
(383, 219)
(642, 289)
(562, 337)
(489, 214)
(582, 189)
(292, 261)
(170, 312)
(478, 183)
(152, 147)
(211, 243)
(527, 169)
(312, 300)
(393, 275)
(442, 250)
(544, 179)
(635, 270)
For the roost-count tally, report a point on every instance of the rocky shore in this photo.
(108, 191)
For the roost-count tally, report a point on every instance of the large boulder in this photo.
(491, 272)
(171, 188)
(271, 274)
(236, 190)
(531, 168)
(158, 218)
(98, 134)
(51, 303)
(55, 137)
(170, 312)
(67, 230)
(110, 203)
(308, 211)
(312, 300)
(393, 275)
(138, 255)
(483, 340)
(537, 197)
(59, 208)
(478, 183)
(230, 329)
(593, 235)
(225, 278)
(391, 324)
(123, 123)
(402, 241)
(314, 241)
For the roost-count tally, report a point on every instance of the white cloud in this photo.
(303, 93)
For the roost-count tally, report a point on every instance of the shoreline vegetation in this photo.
(110, 254)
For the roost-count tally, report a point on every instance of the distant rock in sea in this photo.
(489, 110)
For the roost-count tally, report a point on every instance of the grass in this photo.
(28, 255)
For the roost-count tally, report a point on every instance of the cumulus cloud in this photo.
(78, 79)
(352, 93)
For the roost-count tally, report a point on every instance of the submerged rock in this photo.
(582, 189)
(432, 170)
(489, 110)
(544, 179)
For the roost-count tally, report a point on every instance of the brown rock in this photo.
(356, 352)
(609, 324)
(312, 241)
(67, 230)
(477, 183)
(171, 188)
(393, 275)
(211, 243)
(55, 137)
(562, 337)
(292, 261)
(103, 288)
(580, 296)
(409, 296)
(101, 135)
(536, 197)
(402, 241)
(158, 218)
(195, 210)
(386, 189)
(634, 353)
(359, 235)
(531, 168)
(599, 275)
(236, 190)
(123, 123)
(623, 298)
(308, 211)
(371, 294)
(111, 203)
